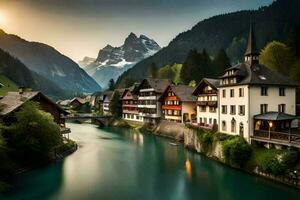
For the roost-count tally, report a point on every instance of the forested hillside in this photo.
(228, 31)
(13, 70)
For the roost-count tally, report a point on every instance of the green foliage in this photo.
(195, 67)
(152, 70)
(192, 83)
(206, 139)
(221, 62)
(115, 106)
(236, 151)
(3, 150)
(34, 133)
(8, 85)
(294, 40)
(277, 56)
(111, 84)
(171, 72)
(274, 161)
(237, 48)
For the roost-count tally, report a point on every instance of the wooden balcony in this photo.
(171, 107)
(207, 103)
(291, 138)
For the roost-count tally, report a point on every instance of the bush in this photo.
(277, 162)
(206, 139)
(34, 133)
(236, 151)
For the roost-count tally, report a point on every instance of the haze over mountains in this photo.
(49, 64)
(228, 31)
(111, 62)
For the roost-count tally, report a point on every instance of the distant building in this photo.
(178, 104)
(129, 100)
(106, 101)
(207, 103)
(13, 101)
(149, 106)
(77, 102)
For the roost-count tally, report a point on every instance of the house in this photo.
(106, 101)
(129, 100)
(207, 103)
(13, 101)
(178, 104)
(77, 102)
(257, 103)
(149, 92)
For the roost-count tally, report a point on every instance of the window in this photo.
(263, 108)
(212, 109)
(232, 109)
(233, 126)
(264, 91)
(224, 126)
(241, 110)
(224, 109)
(202, 108)
(224, 93)
(210, 121)
(169, 112)
(241, 92)
(281, 91)
(281, 108)
(241, 129)
(231, 92)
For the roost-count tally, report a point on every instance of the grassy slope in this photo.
(8, 85)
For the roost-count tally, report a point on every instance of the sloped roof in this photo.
(183, 92)
(258, 74)
(251, 46)
(275, 116)
(214, 83)
(159, 85)
(14, 100)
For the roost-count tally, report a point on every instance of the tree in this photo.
(3, 151)
(34, 134)
(193, 83)
(152, 70)
(115, 106)
(111, 84)
(189, 66)
(221, 62)
(294, 41)
(277, 56)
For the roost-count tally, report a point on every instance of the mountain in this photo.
(113, 61)
(86, 61)
(228, 31)
(47, 62)
(14, 73)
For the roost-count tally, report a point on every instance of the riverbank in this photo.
(278, 165)
(58, 153)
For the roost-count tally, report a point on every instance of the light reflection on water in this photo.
(125, 164)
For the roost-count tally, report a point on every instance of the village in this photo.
(249, 102)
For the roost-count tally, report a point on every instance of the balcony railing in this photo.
(278, 136)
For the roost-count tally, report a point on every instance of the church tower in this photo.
(251, 54)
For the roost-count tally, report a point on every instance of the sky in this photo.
(79, 28)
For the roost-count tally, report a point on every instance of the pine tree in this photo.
(190, 64)
(152, 70)
(111, 84)
(221, 62)
(115, 107)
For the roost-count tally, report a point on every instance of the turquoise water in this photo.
(124, 164)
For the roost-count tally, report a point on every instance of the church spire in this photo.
(251, 54)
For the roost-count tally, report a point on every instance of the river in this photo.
(116, 163)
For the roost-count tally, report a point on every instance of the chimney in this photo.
(21, 90)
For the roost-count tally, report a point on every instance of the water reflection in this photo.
(138, 166)
(188, 169)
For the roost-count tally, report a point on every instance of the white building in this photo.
(256, 102)
(106, 101)
(207, 103)
(149, 106)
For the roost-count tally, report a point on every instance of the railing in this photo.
(275, 135)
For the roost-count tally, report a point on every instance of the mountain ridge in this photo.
(111, 61)
(228, 31)
(46, 61)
